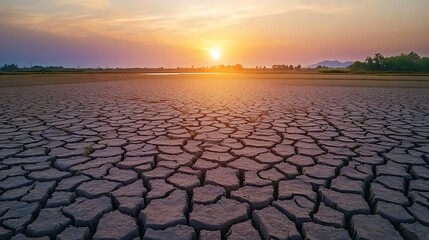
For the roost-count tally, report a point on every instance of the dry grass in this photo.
(87, 151)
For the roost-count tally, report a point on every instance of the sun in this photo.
(215, 54)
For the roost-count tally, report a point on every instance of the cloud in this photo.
(128, 17)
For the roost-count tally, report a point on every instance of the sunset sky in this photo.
(131, 33)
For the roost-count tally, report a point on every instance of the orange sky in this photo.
(182, 33)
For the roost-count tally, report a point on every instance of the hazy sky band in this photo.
(181, 33)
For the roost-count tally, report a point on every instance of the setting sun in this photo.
(215, 54)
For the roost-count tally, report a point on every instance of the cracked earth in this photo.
(191, 159)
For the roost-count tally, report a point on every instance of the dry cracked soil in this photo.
(213, 159)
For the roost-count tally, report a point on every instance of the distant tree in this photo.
(290, 67)
(423, 64)
(414, 56)
(298, 68)
(369, 63)
(10, 68)
(379, 62)
(410, 62)
(357, 66)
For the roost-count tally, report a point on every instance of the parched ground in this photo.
(213, 158)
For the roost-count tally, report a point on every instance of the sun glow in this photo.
(215, 54)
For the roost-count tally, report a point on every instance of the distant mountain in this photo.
(331, 64)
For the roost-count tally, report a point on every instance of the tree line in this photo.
(286, 67)
(15, 68)
(410, 62)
